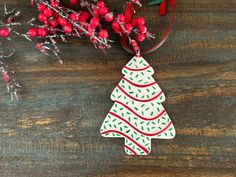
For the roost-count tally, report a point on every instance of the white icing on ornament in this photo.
(137, 114)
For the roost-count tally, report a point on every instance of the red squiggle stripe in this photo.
(127, 147)
(138, 99)
(126, 136)
(137, 85)
(146, 134)
(141, 69)
(144, 118)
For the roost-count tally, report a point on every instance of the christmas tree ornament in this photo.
(138, 115)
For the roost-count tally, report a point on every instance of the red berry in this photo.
(117, 31)
(32, 2)
(94, 22)
(81, 19)
(38, 45)
(32, 32)
(100, 4)
(90, 31)
(9, 20)
(68, 28)
(74, 17)
(141, 37)
(134, 21)
(103, 34)
(46, 23)
(55, 4)
(73, 2)
(86, 14)
(109, 17)
(48, 12)
(42, 18)
(101, 47)
(103, 10)
(4, 32)
(134, 43)
(56, 15)
(54, 23)
(96, 12)
(41, 7)
(63, 21)
(5, 77)
(142, 29)
(121, 17)
(93, 40)
(42, 32)
(128, 27)
(136, 48)
(140, 21)
(116, 27)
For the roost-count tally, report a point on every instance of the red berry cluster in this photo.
(120, 24)
(137, 25)
(59, 21)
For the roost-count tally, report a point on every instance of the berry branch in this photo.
(6, 27)
(90, 21)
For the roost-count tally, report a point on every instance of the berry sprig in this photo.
(12, 85)
(7, 22)
(126, 25)
(6, 28)
(59, 22)
(120, 24)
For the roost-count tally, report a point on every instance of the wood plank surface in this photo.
(54, 129)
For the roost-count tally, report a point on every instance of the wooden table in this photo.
(54, 129)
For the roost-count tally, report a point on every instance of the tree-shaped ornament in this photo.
(137, 114)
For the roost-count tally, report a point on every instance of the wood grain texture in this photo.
(54, 129)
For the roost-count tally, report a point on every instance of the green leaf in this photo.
(154, 2)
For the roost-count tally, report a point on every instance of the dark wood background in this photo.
(54, 129)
